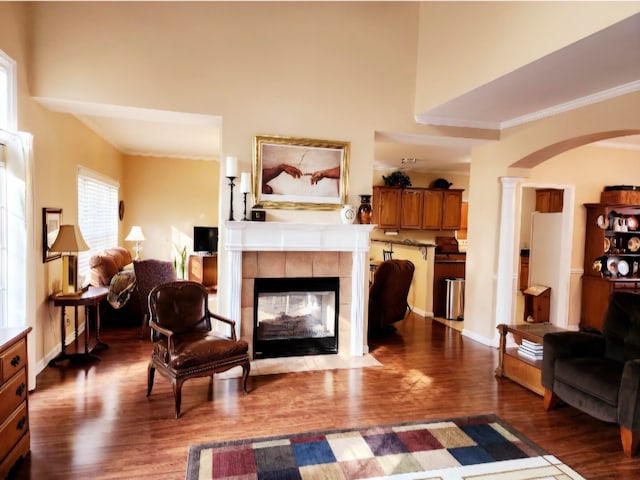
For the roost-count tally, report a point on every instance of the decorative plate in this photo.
(632, 222)
(612, 265)
(603, 222)
(633, 244)
(623, 268)
(607, 244)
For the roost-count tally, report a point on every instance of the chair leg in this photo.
(630, 441)
(245, 375)
(210, 397)
(550, 400)
(177, 395)
(150, 376)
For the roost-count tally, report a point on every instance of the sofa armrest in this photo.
(629, 396)
(568, 345)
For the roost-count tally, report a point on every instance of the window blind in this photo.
(97, 215)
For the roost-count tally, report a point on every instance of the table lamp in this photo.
(136, 235)
(68, 242)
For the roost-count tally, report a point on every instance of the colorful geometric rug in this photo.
(482, 447)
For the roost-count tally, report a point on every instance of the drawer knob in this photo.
(15, 361)
(21, 423)
(20, 390)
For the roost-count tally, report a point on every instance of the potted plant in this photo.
(397, 179)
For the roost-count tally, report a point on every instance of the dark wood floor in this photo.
(96, 422)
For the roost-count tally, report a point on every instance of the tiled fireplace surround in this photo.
(281, 250)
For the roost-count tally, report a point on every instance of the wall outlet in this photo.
(67, 321)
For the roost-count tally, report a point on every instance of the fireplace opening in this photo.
(295, 316)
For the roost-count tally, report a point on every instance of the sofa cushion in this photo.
(122, 286)
(121, 256)
(103, 268)
(598, 377)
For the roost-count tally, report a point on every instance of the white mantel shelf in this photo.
(282, 236)
(244, 236)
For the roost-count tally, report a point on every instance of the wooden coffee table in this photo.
(515, 367)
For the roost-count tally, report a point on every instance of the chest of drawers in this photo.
(14, 398)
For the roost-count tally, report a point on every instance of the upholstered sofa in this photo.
(113, 268)
(600, 373)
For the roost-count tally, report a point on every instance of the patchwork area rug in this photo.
(482, 447)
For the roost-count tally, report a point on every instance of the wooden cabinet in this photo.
(549, 200)
(14, 398)
(387, 204)
(611, 258)
(204, 269)
(451, 209)
(417, 208)
(411, 211)
(446, 265)
(523, 279)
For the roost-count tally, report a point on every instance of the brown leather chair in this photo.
(184, 346)
(149, 273)
(388, 294)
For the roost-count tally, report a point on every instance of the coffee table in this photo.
(515, 367)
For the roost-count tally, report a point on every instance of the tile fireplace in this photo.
(270, 250)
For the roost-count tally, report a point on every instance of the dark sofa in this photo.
(600, 373)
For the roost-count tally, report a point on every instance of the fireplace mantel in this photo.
(303, 237)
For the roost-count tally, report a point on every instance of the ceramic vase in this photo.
(347, 214)
(365, 210)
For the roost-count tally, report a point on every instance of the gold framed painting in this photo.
(300, 173)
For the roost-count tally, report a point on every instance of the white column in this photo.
(235, 288)
(505, 280)
(358, 282)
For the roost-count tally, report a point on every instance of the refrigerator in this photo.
(544, 254)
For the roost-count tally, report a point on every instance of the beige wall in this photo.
(167, 197)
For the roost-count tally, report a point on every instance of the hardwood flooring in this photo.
(96, 422)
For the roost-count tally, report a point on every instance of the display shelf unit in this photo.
(606, 244)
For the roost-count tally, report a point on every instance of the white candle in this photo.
(232, 167)
(245, 182)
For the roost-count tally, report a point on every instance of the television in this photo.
(205, 239)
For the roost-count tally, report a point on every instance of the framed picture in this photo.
(300, 173)
(51, 221)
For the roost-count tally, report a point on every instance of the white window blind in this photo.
(97, 215)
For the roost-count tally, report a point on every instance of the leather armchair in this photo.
(599, 373)
(388, 294)
(184, 345)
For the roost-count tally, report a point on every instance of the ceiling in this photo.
(601, 66)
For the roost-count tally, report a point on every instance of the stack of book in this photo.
(530, 350)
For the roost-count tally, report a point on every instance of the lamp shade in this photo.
(135, 235)
(69, 239)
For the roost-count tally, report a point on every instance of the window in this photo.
(3, 241)
(8, 93)
(8, 122)
(97, 215)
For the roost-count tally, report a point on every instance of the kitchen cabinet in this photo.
(386, 207)
(411, 211)
(611, 258)
(549, 200)
(446, 265)
(417, 208)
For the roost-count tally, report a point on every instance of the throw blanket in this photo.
(121, 287)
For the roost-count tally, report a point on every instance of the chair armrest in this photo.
(228, 321)
(629, 396)
(568, 345)
(162, 331)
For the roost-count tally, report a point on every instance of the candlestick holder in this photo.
(231, 185)
(244, 215)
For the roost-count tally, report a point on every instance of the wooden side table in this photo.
(515, 367)
(89, 299)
